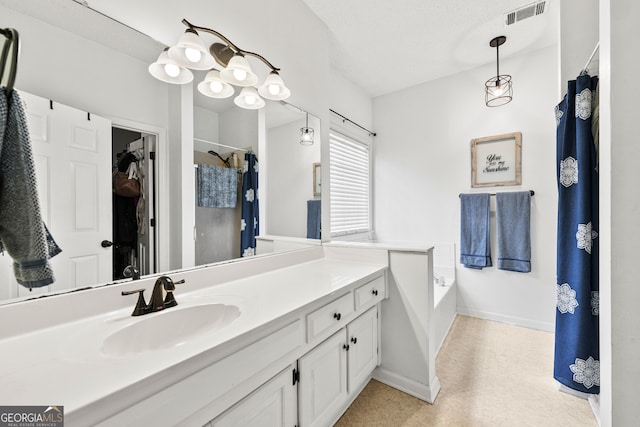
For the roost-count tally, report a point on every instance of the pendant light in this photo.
(498, 89)
(306, 134)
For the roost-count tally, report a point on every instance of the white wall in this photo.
(422, 162)
(290, 178)
(351, 101)
(578, 37)
(205, 124)
(619, 212)
(62, 66)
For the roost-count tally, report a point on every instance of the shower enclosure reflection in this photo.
(228, 134)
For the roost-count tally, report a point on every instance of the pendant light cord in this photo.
(498, 62)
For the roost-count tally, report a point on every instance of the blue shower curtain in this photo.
(577, 361)
(249, 227)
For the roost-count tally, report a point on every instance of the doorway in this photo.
(135, 235)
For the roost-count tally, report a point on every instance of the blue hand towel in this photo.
(513, 234)
(313, 219)
(217, 186)
(475, 249)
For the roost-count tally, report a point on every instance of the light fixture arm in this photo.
(230, 44)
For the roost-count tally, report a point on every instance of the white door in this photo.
(323, 381)
(362, 335)
(72, 155)
(147, 236)
(271, 405)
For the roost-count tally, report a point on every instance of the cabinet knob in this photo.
(346, 347)
(354, 340)
(375, 292)
(337, 316)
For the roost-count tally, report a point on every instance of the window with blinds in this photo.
(349, 185)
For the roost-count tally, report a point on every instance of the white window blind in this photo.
(349, 181)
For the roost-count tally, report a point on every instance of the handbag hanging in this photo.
(125, 186)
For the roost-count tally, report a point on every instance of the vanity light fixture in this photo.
(498, 89)
(169, 71)
(190, 52)
(306, 134)
(249, 99)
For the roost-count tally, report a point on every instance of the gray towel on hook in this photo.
(22, 233)
(475, 249)
(217, 186)
(513, 231)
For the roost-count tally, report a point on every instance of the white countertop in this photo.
(401, 246)
(64, 364)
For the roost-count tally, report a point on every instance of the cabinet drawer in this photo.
(371, 293)
(330, 315)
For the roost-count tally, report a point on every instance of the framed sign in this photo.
(317, 179)
(496, 160)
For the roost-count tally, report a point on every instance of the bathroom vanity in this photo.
(281, 339)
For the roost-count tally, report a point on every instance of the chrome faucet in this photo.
(161, 297)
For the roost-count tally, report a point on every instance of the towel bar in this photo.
(493, 194)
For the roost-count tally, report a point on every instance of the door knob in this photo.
(106, 243)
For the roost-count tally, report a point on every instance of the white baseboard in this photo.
(518, 321)
(407, 385)
(594, 402)
(594, 399)
(352, 397)
(444, 337)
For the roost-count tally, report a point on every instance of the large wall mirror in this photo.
(98, 52)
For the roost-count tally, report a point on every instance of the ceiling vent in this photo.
(528, 11)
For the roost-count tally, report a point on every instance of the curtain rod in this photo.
(221, 145)
(493, 194)
(302, 110)
(595, 50)
(370, 132)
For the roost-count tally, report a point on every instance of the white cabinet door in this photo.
(362, 336)
(271, 405)
(323, 381)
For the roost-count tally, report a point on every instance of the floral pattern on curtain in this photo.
(249, 226)
(576, 360)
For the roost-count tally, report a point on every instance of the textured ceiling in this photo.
(384, 46)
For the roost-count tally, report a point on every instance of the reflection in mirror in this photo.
(293, 207)
(110, 78)
(223, 133)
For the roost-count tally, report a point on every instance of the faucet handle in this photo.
(169, 299)
(131, 271)
(141, 305)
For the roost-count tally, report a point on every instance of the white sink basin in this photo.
(168, 328)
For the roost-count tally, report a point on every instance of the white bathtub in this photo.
(444, 302)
